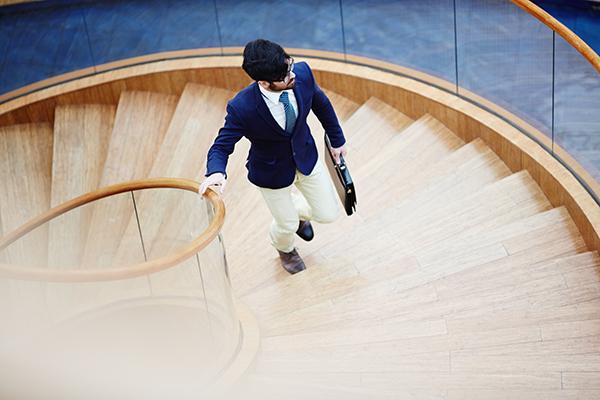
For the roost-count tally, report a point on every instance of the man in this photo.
(272, 113)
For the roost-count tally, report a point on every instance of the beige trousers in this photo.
(316, 203)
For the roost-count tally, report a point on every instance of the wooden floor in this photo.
(455, 278)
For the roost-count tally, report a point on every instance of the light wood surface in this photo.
(464, 272)
(453, 286)
(25, 173)
(358, 84)
(141, 122)
(81, 138)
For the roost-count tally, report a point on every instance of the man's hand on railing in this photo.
(217, 178)
(339, 151)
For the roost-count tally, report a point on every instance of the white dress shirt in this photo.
(276, 107)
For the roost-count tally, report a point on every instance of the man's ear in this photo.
(264, 84)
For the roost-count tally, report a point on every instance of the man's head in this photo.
(267, 63)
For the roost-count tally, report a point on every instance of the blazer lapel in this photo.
(263, 110)
(300, 102)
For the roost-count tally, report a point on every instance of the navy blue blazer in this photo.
(275, 155)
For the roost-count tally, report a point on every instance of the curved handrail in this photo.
(552, 23)
(113, 273)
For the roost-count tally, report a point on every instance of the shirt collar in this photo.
(272, 96)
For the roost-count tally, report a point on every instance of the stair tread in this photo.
(399, 276)
(453, 185)
(199, 115)
(398, 291)
(164, 215)
(27, 149)
(81, 139)
(25, 183)
(423, 143)
(140, 125)
(381, 124)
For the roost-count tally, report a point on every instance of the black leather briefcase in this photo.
(341, 179)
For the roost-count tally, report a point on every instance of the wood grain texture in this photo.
(141, 122)
(25, 173)
(354, 82)
(81, 139)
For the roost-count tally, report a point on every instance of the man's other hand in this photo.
(339, 151)
(217, 178)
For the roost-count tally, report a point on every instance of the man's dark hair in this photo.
(265, 61)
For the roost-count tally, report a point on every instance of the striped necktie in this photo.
(290, 115)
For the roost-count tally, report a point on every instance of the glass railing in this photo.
(129, 292)
(490, 52)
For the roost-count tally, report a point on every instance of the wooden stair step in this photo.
(566, 305)
(336, 314)
(199, 115)
(492, 297)
(389, 297)
(307, 385)
(344, 109)
(453, 218)
(141, 122)
(458, 381)
(81, 138)
(304, 293)
(379, 123)
(521, 267)
(423, 143)
(491, 364)
(341, 359)
(523, 394)
(422, 208)
(424, 342)
(417, 201)
(313, 252)
(450, 188)
(26, 179)
(515, 234)
(516, 287)
(343, 106)
(426, 141)
(557, 347)
(165, 216)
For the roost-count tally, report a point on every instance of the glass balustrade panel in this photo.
(170, 219)
(304, 24)
(505, 60)
(125, 29)
(85, 237)
(577, 108)
(39, 43)
(160, 331)
(414, 34)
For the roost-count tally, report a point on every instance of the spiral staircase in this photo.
(455, 279)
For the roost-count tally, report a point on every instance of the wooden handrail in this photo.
(551, 22)
(113, 273)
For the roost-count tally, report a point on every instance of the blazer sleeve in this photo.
(323, 109)
(231, 132)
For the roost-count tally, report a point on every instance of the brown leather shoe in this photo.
(291, 262)
(305, 231)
